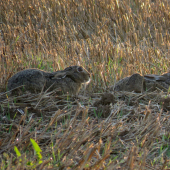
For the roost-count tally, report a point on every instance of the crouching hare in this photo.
(33, 80)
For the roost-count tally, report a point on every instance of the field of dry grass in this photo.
(111, 39)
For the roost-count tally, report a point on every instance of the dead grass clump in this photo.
(69, 138)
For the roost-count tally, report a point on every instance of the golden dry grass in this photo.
(112, 39)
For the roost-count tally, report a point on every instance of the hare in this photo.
(131, 83)
(164, 77)
(161, 81)
(34, 80)
(138, 83)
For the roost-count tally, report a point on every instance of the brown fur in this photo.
(68, 80)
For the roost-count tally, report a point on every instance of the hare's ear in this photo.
(150, 76)
(59, 75)
(160, 78)
(155, 77)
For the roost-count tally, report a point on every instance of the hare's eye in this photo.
(80, 69)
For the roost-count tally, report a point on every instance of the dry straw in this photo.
(112, 39)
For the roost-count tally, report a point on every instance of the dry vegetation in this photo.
(112, 39)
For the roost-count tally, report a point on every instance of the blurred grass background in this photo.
(111, 38)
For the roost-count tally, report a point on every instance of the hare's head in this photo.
(77, 73)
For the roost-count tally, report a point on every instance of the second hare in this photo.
(68, 80)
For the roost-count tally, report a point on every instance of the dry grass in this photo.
(112, 39)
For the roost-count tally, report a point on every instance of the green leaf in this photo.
(17, 151)
(35, 146)
(17, 39)
(37, 149)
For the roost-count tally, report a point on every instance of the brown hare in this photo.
(68, 80)
(160, 81)
(164, 77)
(131, 83)
(138, 83)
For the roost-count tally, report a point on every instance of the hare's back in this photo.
(30, 78)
